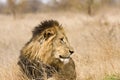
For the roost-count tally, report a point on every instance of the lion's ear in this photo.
(50, 33)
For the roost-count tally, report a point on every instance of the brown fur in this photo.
(47, 54)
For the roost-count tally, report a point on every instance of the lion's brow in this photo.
(45, 25)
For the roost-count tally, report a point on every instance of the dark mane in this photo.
(43, 26)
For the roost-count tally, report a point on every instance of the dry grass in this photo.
(96, 41)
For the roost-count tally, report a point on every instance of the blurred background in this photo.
(35, 6)
(92, 27)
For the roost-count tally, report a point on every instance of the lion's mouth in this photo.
(64, 57)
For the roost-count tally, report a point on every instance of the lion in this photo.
(47, 56)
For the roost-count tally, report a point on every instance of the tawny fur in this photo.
(47, 55)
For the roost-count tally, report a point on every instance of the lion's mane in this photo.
(35, 59)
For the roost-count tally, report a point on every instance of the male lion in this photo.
(47, 55)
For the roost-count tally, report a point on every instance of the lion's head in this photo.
(48, 43)
(48, 52)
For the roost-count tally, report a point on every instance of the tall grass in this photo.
(95, 40)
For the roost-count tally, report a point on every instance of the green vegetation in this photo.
(112, 77)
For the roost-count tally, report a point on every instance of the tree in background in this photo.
(12, 7)
(90, 4)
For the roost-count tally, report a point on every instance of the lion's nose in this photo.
(71, 52)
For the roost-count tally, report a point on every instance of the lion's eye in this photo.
(62, 40)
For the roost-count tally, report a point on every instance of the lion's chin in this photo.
(65, 61)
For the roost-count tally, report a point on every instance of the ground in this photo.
(96, 41)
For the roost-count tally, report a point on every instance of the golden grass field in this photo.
(96, 41)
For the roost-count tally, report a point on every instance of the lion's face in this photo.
(51, 44)
(61, 47)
